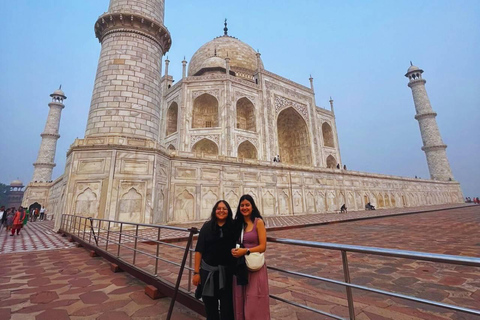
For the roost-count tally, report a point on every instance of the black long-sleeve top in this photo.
(215, 244)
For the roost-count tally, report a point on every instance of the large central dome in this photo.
(242, 57)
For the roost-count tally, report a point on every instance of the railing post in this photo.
(180, 272)
(98, 231)
(135, 246)
(158, 251)
(79, 226)
(62, 221)
(74, 225)
(108, 235)
(346, 273)
(85, 229)
(189, 286)
(119, 240)
(93, 231)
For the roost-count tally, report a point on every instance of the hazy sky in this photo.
(357, 52)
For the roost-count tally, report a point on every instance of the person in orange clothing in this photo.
(18, 221)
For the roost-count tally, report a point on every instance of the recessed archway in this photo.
(331, 162)
(172, 115)
(205, 111)
(245, 115)
(206, 147)
(293, 138)
(327, 135)
(247, 150)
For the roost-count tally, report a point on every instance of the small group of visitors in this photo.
(13, 220)
(475, 200)
(230, 265)
(38, 213)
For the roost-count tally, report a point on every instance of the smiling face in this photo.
(246, 208)
(221, 212)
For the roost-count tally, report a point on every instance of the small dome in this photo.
(413, 68)
(59, 92)
(16, 183)
(242, 56)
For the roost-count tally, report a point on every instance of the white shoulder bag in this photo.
(255, 260)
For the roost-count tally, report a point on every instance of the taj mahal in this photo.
(163, 150)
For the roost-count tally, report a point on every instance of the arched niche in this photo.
(247, 150)
(205, 111)
(171, 148)
(293, 139)
(172, 116)
(331, 162)
(206, 147)
(327, 135)
(245, 115)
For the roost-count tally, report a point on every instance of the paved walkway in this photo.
(34, 236)
(40, 280)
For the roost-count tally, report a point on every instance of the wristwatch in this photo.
(248, 252)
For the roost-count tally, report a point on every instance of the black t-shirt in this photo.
(216, 245)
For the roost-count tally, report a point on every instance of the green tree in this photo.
(3, 194)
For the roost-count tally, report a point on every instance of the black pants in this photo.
(225, 296)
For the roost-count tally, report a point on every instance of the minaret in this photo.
(46, 155)
(432, 141)
(126, 95)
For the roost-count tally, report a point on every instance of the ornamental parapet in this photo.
(432, 148)
(46, 134)
(121, 142)
(44, 164)
(130, 22)
(416, 82)
(426, 115)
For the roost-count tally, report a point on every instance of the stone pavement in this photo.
(34, 236)
(453, 232)
(68, 284)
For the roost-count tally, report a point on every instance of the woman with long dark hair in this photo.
(251, 300)
(214, 264)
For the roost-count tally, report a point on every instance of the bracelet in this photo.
(195, 273)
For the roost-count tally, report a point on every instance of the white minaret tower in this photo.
(126, 96)
(433, 145)
(46, 155)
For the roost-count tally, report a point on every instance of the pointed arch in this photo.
(327, 135)
(130, 206)
(172, 118)
(205, 111)
(247, 150)
(293, 138)
(246, 115)
(331, 162)
(205, 146)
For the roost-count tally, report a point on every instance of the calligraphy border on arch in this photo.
(282, 103)
(213, 137)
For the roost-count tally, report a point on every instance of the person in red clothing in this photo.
(18, 221)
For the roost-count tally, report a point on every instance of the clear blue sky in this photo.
(357, 52)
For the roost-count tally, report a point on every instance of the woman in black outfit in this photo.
(214, 264)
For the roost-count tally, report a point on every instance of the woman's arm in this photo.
(196, 269)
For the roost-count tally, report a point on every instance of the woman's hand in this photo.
(237, 253)
(196, 279)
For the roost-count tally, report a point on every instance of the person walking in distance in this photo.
(18, 221)
(42, 213)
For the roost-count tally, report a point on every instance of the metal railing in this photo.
(344, 249)
(127, 241)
